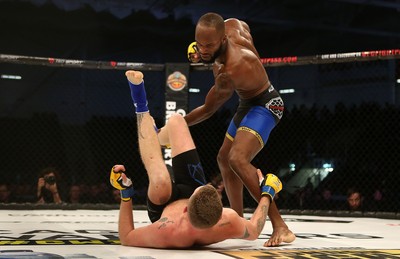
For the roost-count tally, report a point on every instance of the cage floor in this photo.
(92, 234)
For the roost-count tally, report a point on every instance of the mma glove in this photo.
(125, 187)
(270, 186)
(193, 53)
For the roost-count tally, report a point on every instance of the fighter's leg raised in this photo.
(233, 184)
(160, 187)
(176, 135)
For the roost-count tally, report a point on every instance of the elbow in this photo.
(123, 240)
(208, 114)
(209, 111)
(253, 237)
(253, 234)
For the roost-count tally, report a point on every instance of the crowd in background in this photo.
(306, 198)
(363, 140)
(51, 188)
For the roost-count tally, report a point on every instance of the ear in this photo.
(185, 209)
(224, 39)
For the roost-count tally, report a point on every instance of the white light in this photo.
(194, 90)
(327, 167)
(292, 167)
(286, 91)
(14, 77)
(398, 81)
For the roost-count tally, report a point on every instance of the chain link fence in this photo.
(340, 130)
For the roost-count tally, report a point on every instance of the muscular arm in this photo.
(128, 235)
(255, 225)
(216, 97)
(125, 222)
(270, 185)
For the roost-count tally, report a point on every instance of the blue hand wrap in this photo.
(268, 190)
(127, 194)
(139, 98)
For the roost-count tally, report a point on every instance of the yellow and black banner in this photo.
(313, 253)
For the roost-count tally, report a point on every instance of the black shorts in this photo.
(269, 99)
(186, 175)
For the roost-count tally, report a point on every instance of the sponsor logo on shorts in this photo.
(276, 106)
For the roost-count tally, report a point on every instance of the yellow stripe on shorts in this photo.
(255, 133)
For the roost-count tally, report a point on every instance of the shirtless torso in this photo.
(241, 62)
(237, 68)
(174, 230)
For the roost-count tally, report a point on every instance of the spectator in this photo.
(47, 190)
(74, 194)
(324, 199)
(5, 194)
(97, 194)
(354, 200)
(23, 192)
(116, 194)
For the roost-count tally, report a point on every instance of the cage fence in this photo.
(340, 129)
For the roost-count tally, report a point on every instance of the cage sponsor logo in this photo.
(327, 236)
(15, 254)
(291, 59)
(315, 254)
(176, 81)
(52, 237)
(60, 215)
(60, 242)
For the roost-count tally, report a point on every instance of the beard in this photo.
(214, 56)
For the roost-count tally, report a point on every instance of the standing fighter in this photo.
(184, 210)
(236, 66)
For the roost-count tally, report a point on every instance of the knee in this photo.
(162, 188)
(236, 161)
(176, 119)
(222, 157)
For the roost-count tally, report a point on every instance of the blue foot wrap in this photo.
(139, 98)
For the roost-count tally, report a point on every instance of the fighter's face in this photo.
(209, 43)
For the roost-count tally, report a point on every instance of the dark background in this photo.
(159, 31)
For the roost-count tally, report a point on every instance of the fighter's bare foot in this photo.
(279, 235)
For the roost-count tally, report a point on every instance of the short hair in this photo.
(213, 20)
(352, 190)
(205, 207)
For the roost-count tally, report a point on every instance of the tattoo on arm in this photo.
(139, 118)
(224, 224)
(262, 219)
(246, 234)
(164, 221)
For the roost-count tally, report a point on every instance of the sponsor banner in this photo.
(60, 242)
(176, 95)
(315, 254)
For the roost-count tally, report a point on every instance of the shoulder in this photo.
(232, 224)
(236, 24)
(232, 21)
(230, 215)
